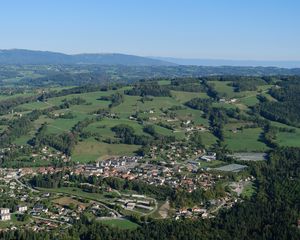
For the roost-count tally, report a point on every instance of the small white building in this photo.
(4, 214)
(4, 211)
(5, 217)
(22, 209)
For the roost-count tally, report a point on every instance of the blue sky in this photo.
(224, 29)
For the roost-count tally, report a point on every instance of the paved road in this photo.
(24, 185)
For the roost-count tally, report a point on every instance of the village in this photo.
(41, 209)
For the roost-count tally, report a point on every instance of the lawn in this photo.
(249, 100)
(92, 150)
(120, 223)
(168, 132)
(289, 139)
(208, 139)
(66, 201)
(104, 126)
(224, 89)
(184, 97)
(211, 164)
(192, 114)
(247, 140)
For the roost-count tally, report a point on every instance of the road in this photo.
(24, 185)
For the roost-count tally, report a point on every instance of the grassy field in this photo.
(183, 97)
(92, 150)
(104, 126)
(289, 139)
(246, 140)
(208, 139)
(249, 100)
(168, 132)
(211, 164)
(224, 89)
(192, 114)
(120, 223)
(67, 201)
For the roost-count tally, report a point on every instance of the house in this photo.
(4, 214)
(130, 205)
(22, 209)
(4, 211)
(39, 208)
(210, 156)
(5, 217)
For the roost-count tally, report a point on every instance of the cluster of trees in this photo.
(63, 142)
(187, 85)
(247, 83)
(243, 83)
(203, 104)
(79, 90)
(10, 203)
(18, 127)
(73, 101)
(7, 105)
(48, 180)
(149, 89)
(116, 99)
(127, 135)
(217, 116)
(66, 79)
(287, 108)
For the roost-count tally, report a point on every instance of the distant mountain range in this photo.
(22, 56)
(228, 62)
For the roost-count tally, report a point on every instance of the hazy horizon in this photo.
(234, 30)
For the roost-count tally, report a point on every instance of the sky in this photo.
(212, 29)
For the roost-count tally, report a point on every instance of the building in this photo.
(210, 156)
(4, 211)
(22, 209)
(4, 214)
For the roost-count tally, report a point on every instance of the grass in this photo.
(104, 126)
(247, 140)
(33, 106)
(211, 164)
(249, 100)
(164, 82)
(192, 114)
(224, 89)
(132, 104)
(184, 97)
(168, 132)
(289, 139)
(92, 150)
(208, 139)
(248, 191)
(123, 224)
(66, 201)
